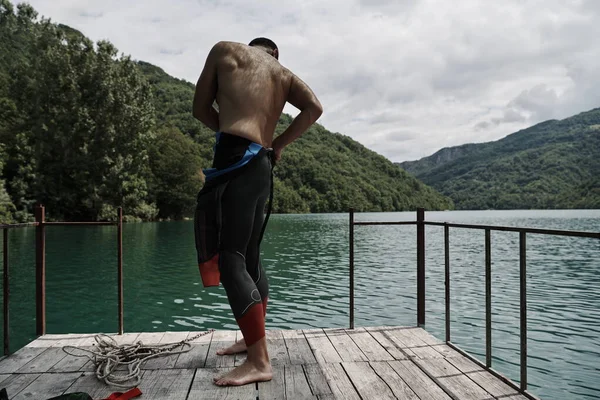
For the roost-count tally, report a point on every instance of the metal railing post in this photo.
(488, 298)
(447, 280)
(351, 237)
(40, 271)
(420, 266)
(523, 304)
(6, 295)
(120, 267)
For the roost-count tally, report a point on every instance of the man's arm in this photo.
(303, 98)
(206, 91)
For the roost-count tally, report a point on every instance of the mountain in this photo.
(320, 172)
(552, 165)
(84, 131)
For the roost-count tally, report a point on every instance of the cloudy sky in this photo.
(405, 77)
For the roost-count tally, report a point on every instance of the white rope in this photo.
(109, 357)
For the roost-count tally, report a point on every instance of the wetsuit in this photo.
(229, 226)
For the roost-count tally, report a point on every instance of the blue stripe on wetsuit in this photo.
(251, 152)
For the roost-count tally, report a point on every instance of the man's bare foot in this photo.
(244, 374)
(237, 347)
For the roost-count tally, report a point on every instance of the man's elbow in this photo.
(316, 110)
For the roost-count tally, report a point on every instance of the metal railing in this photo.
(40, 268)
(420, 224)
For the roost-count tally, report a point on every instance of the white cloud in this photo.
(404, 77)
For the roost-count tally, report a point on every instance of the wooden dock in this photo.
(364, 363)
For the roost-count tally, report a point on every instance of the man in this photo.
(251, 89)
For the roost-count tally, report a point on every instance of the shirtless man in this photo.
(251, 89)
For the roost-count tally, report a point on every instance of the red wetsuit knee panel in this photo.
(252, 324)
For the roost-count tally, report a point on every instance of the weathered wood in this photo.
(426, 352)
(418, 381)
(408, 337)
(398, 341)
(369, 346)
(43, 362)
(368, 384)
(296, 384)
(424, 336)
(316, 379)
(278, 352)
(203, 387)
(346, 348)
(149, 338)
(446, 351)
(127, 338)
(338, 381)
(400, 389)
(275, 388)
(167, 362)
(15, 361)
(88, 383)
(321, 347)
(15, 383)
(463, 364)
(454, 380)
(47, 386)
(491, 384)
(171, 384)
(298, 348)
(387, 343)
(72, 363)
(220, 339)
(196, 357)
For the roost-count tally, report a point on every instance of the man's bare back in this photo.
(251, 89)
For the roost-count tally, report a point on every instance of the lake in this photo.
(306, 259)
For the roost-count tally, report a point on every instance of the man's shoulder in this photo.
(225, 45)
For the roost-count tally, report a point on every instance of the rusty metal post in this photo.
(488, 298)
(40, 271)
(351, 236)
(523, 304)
(420, 266)
(120, 266)
(6, 295)
(447, 280)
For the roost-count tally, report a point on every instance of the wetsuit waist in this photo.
(230, 153)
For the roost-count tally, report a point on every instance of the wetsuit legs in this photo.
(242, 276)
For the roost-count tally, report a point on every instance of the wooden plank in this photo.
(150, 338)
(463, 364)
(453, 380)
(399, 341)
(408, 337)
(219, 340)
(446, 350)
(171, 384)
(418, 381)
(400, 389)
(491, 384)
(43, 362)
(321, 347)
(21, 357)
(369, 346)
(425, 336)
(368, 384)
(346, 348)
(3, 377)
(298, 348)
(275, 388)
(383, 339)
(126, 338)
(296, 384)
(88, 383)
(72, 363)
(426, 352)
(168, 361)
(203, 387)
(47, 386)
(278, 352)
(15, 383)
(338, 381)
(316, 379)
(196, 357)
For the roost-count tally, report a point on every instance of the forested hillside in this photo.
(84, 131)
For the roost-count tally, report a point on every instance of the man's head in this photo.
(267, 45)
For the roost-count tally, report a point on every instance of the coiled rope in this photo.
(109, 358)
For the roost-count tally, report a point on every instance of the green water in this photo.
(306, 258)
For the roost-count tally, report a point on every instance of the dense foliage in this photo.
(552, 165)
(84, 131)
